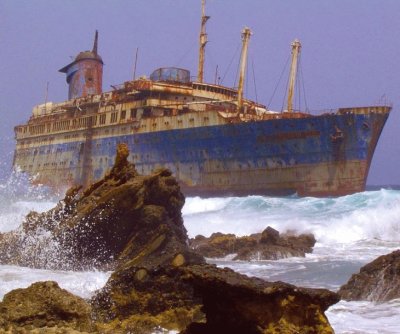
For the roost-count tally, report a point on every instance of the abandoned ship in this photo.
(214, 140)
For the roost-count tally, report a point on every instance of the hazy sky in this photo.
(349, 52)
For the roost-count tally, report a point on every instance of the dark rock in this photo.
(235, 303)
(44, 305)
(269, 236)
(146, 298)
(268, 245)
(217, 245)
(376, 281)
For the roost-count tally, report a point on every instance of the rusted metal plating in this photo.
(85, 73)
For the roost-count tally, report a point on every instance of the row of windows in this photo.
(82, 122)
(218, 90)
(87, 122)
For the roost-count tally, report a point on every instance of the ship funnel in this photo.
(85, 73)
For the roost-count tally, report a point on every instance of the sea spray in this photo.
(18, 197)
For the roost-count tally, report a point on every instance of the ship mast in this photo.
(246, 33)
(296, 46)
(203, 41)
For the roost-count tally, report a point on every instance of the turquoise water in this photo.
(350, 231)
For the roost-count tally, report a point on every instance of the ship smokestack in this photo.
(85, 73)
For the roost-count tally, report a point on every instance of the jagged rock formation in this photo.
(133, 224)
(46, 308)
(92, 228)
(268, 245)
(378, 281)
(236, 304)
(209, 300)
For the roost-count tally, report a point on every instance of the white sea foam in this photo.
(194, 205)
(365, 317)
(83, 284)
(349, 219)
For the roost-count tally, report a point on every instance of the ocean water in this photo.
(350, 231)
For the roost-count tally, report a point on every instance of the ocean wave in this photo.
(83, 284)
(363, 216)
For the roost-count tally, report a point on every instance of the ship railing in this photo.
(369, 109)
(353, 110)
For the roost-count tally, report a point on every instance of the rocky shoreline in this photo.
(133, 225)
(267, 245)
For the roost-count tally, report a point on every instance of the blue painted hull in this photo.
(325, 155)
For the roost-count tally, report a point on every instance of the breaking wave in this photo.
(368, 215)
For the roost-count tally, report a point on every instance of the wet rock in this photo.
(146, 298)
(234, 303)
(146, 290)
(92, 228)
(269, 236)
(377, 281)
(44, 306)
(268, 245)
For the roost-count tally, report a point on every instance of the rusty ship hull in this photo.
(212, 155)
(214, 140)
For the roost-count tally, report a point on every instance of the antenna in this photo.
(134, 66)
(46, 96)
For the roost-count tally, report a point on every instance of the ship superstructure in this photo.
(214, 140)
